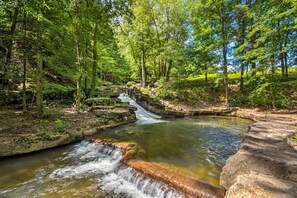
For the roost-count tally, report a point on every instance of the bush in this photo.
(184, 91)
(241, 100)
(130, 83)
(145, 91)
(54, 91)
(52, 113)
(60, 126)
(98, 101)
(26, 140)
(47, 135)
(10, 97)
(274, 94)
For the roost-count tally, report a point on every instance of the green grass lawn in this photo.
(233, 76)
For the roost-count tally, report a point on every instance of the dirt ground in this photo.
(24, 131)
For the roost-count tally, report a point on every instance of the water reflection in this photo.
(197, 147)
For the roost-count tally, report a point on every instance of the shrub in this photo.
(130, 83)
(47, 135)
(27, 140)
(241, 100)
(53, 91)
(9, 97)
(60, 126)
(52, 112)
(274, 94)
(98, 101)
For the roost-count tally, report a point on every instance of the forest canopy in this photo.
(70, 47)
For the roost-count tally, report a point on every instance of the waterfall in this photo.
(115, 178)
(104, 160)
(143, 116)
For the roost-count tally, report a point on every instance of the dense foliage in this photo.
(52, 50)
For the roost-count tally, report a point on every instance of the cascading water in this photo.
(117, 179)
(87, 170)
(143, 116)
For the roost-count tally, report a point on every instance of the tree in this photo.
(153, 39)
(39, 83)
(216, 19)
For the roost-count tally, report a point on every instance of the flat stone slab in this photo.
(263, 186)
(265, 165)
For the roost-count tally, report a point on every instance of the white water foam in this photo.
(93, 158)
(115, 178)
(143, 116)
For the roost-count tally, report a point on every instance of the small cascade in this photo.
(89, 158)
(116, 179)
(146, 185)
(143, 116)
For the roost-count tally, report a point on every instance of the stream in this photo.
(196, 147)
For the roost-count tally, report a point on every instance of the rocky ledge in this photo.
(158, 108)
(24, 133)
(265, 165)
(189, 187)
(111, 116)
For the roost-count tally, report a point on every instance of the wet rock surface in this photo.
(265, 165)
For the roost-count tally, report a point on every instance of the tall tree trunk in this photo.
(252, 41)
(282, 63)
(242, 77)
(225, 66)
(39, 75)
(155, 70)
(143, 63)
(242, 64)
(94, 68)
(78, 61)
(169, 69)
(10, 42)
(164, 68)
(225, 74)
(285, 55)
(85, 55)
(272, 62)
(77, 99)
(143, 67)
(24, 64)
(281, 54)
(286, 63)
(160, 68)
(205, 75)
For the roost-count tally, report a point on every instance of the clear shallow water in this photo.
(197, 147)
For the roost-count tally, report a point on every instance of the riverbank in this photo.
(24, 133)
